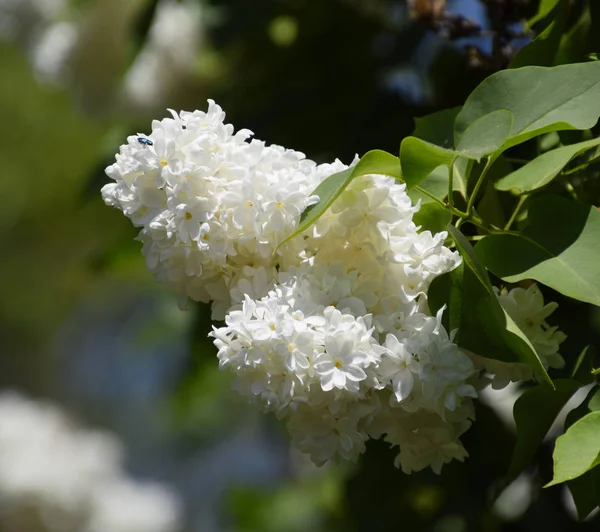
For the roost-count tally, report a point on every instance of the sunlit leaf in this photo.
(419, 158)
(577, 450)
(543, 169)
(541, 100)
(582, 370)
(373, 162)
(485, 135)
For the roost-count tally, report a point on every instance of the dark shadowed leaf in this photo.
(543, 49)
(432, 217)
(586, 492)
(544, 9)
(559, 248)
(437, 128)
(534, 412)
(473, 308)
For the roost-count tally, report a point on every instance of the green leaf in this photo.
(543, 49)
(540, 99)
(491, 205)
(437, 128)
(419, 158)
(559, 248)
(473, 308)
(436, 184)
(583, 409)
(594, 402)
(373, 162)
(485, 135)
(432, 217)
(586, 492)
(543, 169)
(577, 450)
(582, 370)
(544, 9)
(534, 412)
(577, 41)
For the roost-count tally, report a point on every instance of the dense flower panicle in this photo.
(343, 345)
(330, 331)
(210, 201)
(65, 478)
(527, 309)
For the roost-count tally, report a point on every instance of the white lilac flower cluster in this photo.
(55, 477)
(330, 331)
(212, 206)
(527, 309)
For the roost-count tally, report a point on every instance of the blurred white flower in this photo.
(22, 19)
(52, 50)
(168, 56)
(71, 478)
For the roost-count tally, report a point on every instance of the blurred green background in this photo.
(84, 324)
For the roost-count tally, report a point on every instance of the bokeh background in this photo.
(82, 324)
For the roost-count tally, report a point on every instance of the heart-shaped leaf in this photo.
(541, 100)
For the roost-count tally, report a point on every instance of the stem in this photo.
(430, 196)
(577, 169)
(453, 210)
(451, 185)
(513, 216)
(571, 190)
(473, 196)
(517, 160)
